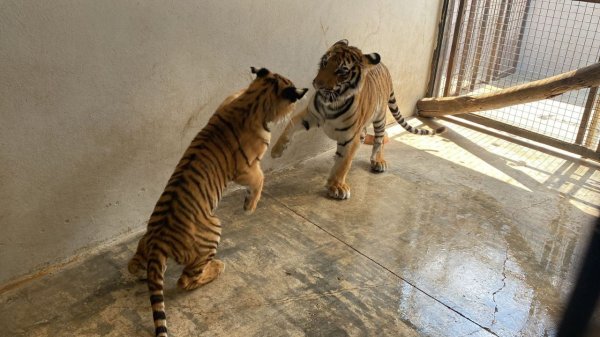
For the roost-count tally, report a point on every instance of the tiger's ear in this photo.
(341, 42)
(371, 59)
(262, 72)
(293, 94)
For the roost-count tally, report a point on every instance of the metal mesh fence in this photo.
(500, 43)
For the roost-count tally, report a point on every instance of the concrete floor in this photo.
(466, 235)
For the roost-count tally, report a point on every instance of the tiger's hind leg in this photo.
(378, 164)
(201, 268)
(200, 273)
(137, 264)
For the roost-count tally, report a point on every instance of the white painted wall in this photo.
(99, 98)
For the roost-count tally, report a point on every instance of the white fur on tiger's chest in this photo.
(255, 144)
(329, 129)
(337, 128)
(263, 144)
(266, 135)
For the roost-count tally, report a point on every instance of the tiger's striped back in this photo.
(229, 148)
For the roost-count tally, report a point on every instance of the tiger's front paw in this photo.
(338, 190)
(378, 166)
(279, 147)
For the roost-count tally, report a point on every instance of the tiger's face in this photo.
(341, 70)
(280, 94)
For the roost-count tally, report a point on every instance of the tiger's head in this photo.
(341, 70)
(279, 94)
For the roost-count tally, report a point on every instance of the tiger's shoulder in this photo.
(230, 99)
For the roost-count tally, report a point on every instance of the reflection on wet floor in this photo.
(466, 235)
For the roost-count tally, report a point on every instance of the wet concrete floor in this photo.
(465, 235)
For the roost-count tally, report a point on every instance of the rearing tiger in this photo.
(229, 148)
(353, 90)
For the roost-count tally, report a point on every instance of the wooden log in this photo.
(528, 92)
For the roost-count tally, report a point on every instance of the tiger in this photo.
(352, 90)
(229, 148)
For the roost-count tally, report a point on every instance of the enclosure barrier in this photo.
(524, 93)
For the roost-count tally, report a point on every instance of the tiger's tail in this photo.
(156, 269)
(396, 113)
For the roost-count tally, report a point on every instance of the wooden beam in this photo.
(464, 57)
(528, 92)
(593, 127)
(457, 25)
(585, 118)
(435, 60)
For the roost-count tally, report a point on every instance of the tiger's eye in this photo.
(341, 72)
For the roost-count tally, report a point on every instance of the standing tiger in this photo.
(353, 90)
(229, 148)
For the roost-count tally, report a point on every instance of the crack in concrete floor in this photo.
(499, 289)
